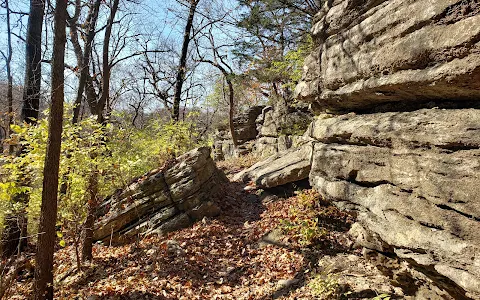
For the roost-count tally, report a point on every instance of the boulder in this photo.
(413, 180)
(284, 167)
(246, 131)
(370, 52)
(162, 200)
(245, 126)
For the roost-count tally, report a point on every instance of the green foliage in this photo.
(115, 154)
(291, 66)
(324, 285)
(302, 221)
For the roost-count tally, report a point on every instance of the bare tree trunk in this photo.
(43, 284)
(9, 75)
(90, 221)
(85, 60)
(106, 64)
(182, 67)
(231, 111)
(33, 71)
(99, 109)
(231, 95)
(14, 238)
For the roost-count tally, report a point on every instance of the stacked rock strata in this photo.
(396, 87)
(162, 200)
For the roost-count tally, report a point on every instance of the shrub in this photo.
(324, 285)
(117, 154)
(302, 221)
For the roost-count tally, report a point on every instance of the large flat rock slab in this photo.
(372, 52)
(284, 167)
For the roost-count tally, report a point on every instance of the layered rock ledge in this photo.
(163, 200)
(411, 178)
(408, 51)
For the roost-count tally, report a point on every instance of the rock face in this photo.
(413, 179)
(382, 51)
(408, 169)
(280, 127)
(264, 130)
(245, 126)
(162, 200)
(246, 131)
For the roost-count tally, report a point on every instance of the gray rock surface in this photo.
(413, 178)
(246, 131)
(162, 200)
(280, 127)
(245, 126)
(409, 170)
(370, 52)
(284, 167)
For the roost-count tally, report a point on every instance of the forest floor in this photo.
(254, 250)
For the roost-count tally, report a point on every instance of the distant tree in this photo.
(8, 60)
(182, 66)
(83, 55)
(43, 284)
(15, 232)
(217, 60)
(33, 70)
(272, 28)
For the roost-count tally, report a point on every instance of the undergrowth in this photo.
(302, 221)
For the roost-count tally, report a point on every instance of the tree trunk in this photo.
(231, 112)
(106, 65)
(182, 67)
(14, 239)
(98, 109)
(90, 221)
(9, 75)
(33, 71)
(85, 60)
(43, 284)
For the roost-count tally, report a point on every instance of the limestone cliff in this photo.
(371, 52)
(396, 85)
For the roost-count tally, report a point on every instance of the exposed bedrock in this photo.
(413, 178)
(370, 52)
(163, 200)
(284, 167)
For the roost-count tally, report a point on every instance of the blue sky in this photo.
(160, 19)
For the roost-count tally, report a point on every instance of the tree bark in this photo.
(182, 67)
(43, 284)
(9, 75)
(33, 71)
(102, 102)
(14, 237)
(231, 111)
(99, 109)
(84, 61)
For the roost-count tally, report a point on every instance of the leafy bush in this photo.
(116, 154)
(302, 221)
(324, 285)
(291, 67)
